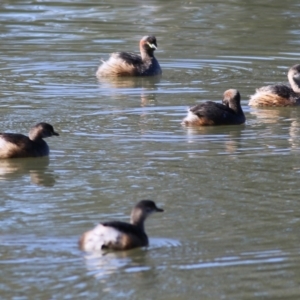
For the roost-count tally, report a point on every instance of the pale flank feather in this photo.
(99, 237)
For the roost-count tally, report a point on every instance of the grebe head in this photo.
(142, 210)
(41, 130)
(230, 96)
(148, 44)
(294, 77)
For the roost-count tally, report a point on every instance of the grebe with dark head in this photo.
(131, 64)
(279, 94)
(116, 235)
(15, 145)
(211, 113)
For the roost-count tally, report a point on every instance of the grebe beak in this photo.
(151, 45)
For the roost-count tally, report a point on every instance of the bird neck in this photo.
(34, 135)
(295, 83)
(295, 86)
(236, 107)
(137, 218)
(146, 53)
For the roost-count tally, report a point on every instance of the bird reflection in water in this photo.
(228, 138)
(36, 168)
(145, 86)
(105, 263)
(102, 264)
(276, 116)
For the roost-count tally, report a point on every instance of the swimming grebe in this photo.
(279, 94)
(116, 235)
(15, 145)
(212, 113)
(130, 64)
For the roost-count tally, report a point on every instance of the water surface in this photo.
(230, 229)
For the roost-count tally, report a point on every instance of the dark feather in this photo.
(130, 58)
(280, 90)
(15, 138)
(126, 228)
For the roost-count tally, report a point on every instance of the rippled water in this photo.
(230, 229)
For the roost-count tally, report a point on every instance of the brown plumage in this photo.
(279, 94)
(211, 113)
(131, 64)
(15, 145)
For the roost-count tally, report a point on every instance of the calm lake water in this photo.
(231, 224)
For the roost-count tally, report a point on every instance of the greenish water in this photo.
(230, 229)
